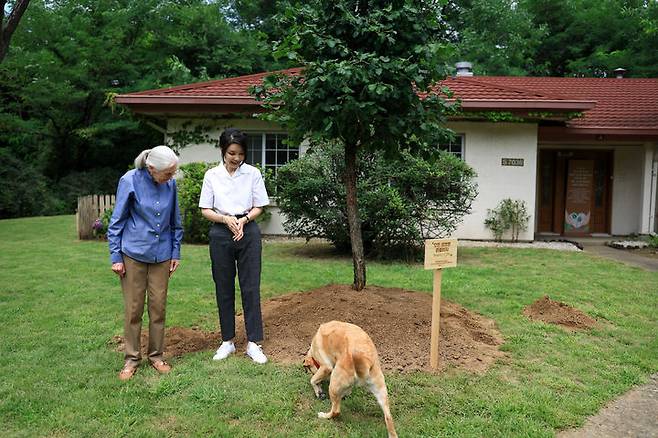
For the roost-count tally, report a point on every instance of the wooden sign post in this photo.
(439, 254)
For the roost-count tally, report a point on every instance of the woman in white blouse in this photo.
(232, 196)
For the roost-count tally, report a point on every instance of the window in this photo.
(455, 146)
(269, 150)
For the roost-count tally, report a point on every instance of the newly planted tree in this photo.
(366, 81)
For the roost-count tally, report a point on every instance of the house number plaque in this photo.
(511, 162)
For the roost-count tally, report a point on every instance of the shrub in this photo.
(94, 181)
(99, 227)
(25, 191)
(189, 189)
(401, 201)
(509, 215)
(653, 241)
(195, 226)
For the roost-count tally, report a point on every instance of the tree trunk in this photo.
(3, 50)
(8, 27)
(353, 218)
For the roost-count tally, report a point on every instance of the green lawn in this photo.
(60, 305)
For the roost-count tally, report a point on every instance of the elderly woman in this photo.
(232, 196)
(144, 235)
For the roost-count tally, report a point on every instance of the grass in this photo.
(60, 305)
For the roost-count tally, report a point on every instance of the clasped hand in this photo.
(236, 226)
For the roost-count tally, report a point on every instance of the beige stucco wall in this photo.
(482, 150)
(485, 144)
(206, 151)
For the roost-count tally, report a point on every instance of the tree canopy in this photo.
(365, 66)
(555, 37)
(68, 58)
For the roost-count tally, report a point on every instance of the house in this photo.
(581, 152)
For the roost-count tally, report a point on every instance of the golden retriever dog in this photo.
(346, 353)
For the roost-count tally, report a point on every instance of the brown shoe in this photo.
(161, 366)
(127, 372)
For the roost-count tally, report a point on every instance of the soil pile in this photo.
(555, 312)
(398, 321)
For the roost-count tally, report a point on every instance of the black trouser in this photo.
(224, 254)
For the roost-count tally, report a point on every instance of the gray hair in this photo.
(160, 158)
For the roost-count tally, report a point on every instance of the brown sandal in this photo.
(161, 366)
(127, 372)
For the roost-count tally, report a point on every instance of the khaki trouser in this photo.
(140, 278)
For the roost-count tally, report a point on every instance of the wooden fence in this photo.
(90, 208)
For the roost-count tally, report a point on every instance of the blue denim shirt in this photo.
(146, 222)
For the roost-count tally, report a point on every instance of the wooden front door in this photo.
(574, 192)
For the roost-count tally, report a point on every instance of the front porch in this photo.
(588, 190)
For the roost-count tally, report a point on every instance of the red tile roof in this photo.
(229, 89)
(620, 103)
(607, 104)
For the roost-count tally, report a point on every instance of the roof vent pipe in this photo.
(464, 68)
(620, 72)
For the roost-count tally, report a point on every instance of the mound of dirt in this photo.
(555, 312)
(398, 321)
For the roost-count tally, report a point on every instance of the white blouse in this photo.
(231, 195)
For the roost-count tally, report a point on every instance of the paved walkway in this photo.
(635, 414)
(627, 257)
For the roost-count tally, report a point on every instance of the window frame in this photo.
(263, 148)
(462, 154)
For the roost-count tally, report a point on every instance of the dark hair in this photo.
(232, 136)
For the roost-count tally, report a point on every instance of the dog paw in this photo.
(324, 415)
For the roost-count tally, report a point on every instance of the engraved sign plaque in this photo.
(440, 253)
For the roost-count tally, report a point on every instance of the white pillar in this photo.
(648, 210)
(653, 222)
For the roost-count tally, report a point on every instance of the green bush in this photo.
(97, 181)
(195, 226)
(100, 225)
(401, 201)
(509, 215)
(189, 189)
(25, 191)
(653, 241)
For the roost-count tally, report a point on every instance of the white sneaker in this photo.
(227, 348)
(255, 352)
